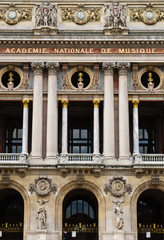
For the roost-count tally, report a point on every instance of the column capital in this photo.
(64, 103)
(25, 103)
(108, 67)
(37, 67)
(52, 67)
(96, 103)
(135, 103)
(123, 67)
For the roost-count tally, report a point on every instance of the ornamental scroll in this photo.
(80, 15)
(13, 15)
(148, 15)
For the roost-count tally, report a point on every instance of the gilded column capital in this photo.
(64, 103)
(108, 67)
(123, 67)
(135, 103)
(96, 103)
(37, 67)
(25, 103)
(52, 67)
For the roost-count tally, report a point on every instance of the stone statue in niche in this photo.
(42, 215)
(115, 15)
(46, 15)
(119, 216)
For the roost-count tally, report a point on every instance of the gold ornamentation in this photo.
(135, 103)
(65, 103)
(149, 15)
(25, 103)
(96, 103)
(80, 15)
(14, 15)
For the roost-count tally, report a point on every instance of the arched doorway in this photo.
(150, 215)
(80, 215)
(11, 214)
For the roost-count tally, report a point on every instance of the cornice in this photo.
(83, 43)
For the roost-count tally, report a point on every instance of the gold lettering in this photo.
(56, 50)
(24, 50)
(121, 50)
(142, 50)
(127, 50)
(65, 50)
(13, 50)
(133, 50)
(35, 50)
(61, 50)
(91, 50)
(154, 50)
(103, 50)
(77, 50)
(44, 50)
(29, 50)
(18, 50)
(82, 50)
(8, 50)
(108, 50)
(72, 50)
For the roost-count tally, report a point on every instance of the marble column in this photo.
(52, 112)
(64, 126)
(37, 120)
(109, 138)
(25, 127)
(96, 127)
(123, 112)
(135, 127)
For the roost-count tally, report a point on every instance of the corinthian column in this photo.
(37, 119)
(25, 127)
(96, 127)
(123, 112)
(52, 113)
(135, 127)
(109, 139)
(65, 127)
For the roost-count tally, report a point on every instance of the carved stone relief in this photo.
(80, 15)
(148, 15)
(42, 186)
(115, 18)
(42, 215)
(46, 18)
(119, 216)
(117, 187)
(12, 15)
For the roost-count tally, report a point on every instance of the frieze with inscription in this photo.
(81, 50)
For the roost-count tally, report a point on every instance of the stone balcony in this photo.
(151, 160)
(14, 159)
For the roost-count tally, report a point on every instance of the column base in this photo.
(125, 160)
(51, 160)
(119, 235)
(41, 234)
(36, 160)
(110, 161)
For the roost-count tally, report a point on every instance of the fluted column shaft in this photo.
(52, 113)
(64, 126)
(135, 127)
(96, 127)
(123, 112)
(109, 139)
(37, 120)
(25, 127)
